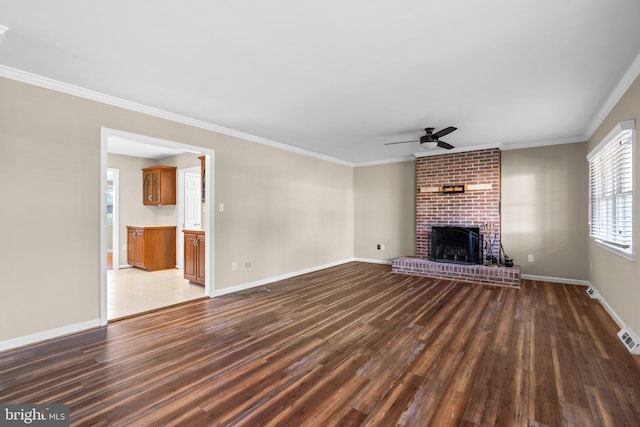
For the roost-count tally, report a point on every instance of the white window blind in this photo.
(611, 189)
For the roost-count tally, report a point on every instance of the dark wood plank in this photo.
(346, 346)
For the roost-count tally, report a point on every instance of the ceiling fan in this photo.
(431, 139)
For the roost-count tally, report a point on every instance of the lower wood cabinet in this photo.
(194, 260)
(151, 248)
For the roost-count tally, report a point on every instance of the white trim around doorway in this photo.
(209, 217)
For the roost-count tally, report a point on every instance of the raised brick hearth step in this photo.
(475, 273)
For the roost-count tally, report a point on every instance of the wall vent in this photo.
(591, 291)
(630, 341)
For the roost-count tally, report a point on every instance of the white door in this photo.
(192, 201)
(189, 208)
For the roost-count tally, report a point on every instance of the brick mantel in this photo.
(478, 205)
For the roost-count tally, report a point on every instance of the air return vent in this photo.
(630, 341)
(592, 292)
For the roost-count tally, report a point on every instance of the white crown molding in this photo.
(542, 143)
(47, 83)
(621, 88)
(623, 85)
(505, 146)
(437, 152)
(384, 162)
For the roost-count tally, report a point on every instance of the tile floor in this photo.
(131, 290)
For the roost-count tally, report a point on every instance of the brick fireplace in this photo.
(475, 207)
(459, 190)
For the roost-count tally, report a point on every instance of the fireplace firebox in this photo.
(462, 245)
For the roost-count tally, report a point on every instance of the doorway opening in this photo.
(112, 217)
(123, 155)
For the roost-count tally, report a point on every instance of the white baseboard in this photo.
(79, 327)
(262, 282)
(46, 335)
(610, 310)
(556, 280)
(373, 261)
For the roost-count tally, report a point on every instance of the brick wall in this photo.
(473, 208)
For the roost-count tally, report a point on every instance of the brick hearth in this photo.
(474, 273)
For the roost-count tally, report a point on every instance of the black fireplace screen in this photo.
(456, 244)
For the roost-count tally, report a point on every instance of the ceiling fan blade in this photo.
(443, 132)
(445, 145)
(401, 142)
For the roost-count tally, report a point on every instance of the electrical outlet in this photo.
(221, 207)
(247, 264)
(382, 247)
(234, 266)
(530, 258)
(378, 246)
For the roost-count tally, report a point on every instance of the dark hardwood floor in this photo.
(351, 345)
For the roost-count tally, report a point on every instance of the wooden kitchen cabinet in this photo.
(135, 246)
(159, 185)
(194, 256)
(151, 248)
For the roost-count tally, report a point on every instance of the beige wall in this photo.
(284, 212)
(616, 278)
(545, 209)
(385, 208)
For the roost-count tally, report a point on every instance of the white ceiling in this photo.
(136, 148)
(341, 78)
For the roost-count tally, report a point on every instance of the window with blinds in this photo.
(611, 190)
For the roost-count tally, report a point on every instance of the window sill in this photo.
(626, 255)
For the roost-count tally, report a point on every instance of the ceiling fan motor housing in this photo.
(428, 137)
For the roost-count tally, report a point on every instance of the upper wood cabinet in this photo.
(159, 185)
